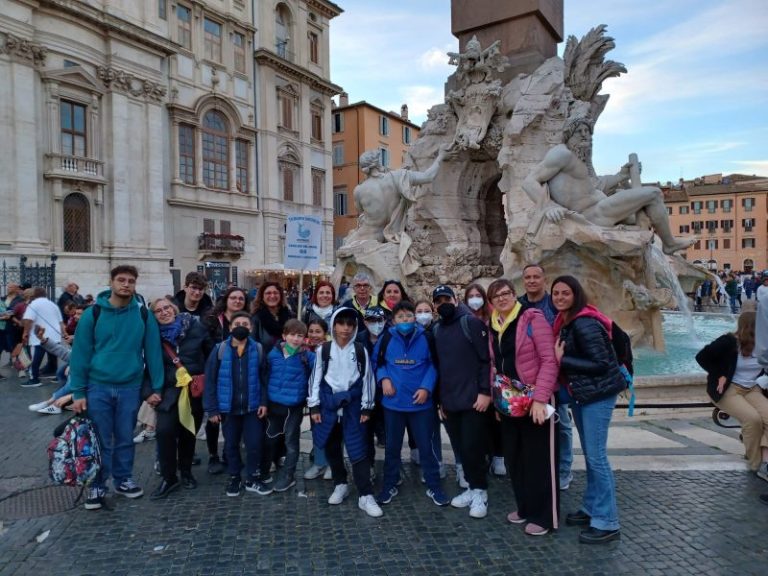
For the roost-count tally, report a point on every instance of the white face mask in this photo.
(424, 318)
(476, 302)
(375, 328)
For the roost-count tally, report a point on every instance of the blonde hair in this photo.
(745, 332)
(169, 299)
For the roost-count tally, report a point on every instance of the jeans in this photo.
(422, 425)
(247, 428)
(599, 502)
(113, 409)
(38, 352)
(63, 391)
(285, 422)
(61, 376)
(732, 301)
(566, 443)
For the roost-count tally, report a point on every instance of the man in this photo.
(42, 312)
(574, 188)
(461, 343)
(761, 338)
(193, 299)
(536, 295)
(383, 198)
(115, 339)
(70, 294)
(361, 299)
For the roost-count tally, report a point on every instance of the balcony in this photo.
(220, 245)
(74, 168)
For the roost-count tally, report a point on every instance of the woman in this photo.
(186, 343)
(588, 364)
(732, 371)
(477, 301)
(234, 300)
(322, 304)
(524, 350)
(270, 313)
(391, 294)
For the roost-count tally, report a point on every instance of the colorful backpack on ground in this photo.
(74, 454)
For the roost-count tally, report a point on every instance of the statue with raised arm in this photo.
(564, 185)
(384, 197)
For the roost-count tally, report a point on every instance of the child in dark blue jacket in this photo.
(408, 376)
(289, 368)
(236, 395)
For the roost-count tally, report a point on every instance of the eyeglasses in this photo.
(361, 286)
(163, 309)
(507, 294)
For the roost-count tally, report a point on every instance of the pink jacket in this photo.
(535, 354)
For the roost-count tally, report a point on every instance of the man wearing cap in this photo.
(461, 342)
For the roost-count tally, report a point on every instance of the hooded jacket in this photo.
(114, 350)
(204, 307)
(464, 365)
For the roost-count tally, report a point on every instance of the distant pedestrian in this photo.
(41, 311)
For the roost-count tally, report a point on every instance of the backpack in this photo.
(622, 346)
(74, 454)
(97, 311)
(360, 356)
(464, 321)
(220, 350)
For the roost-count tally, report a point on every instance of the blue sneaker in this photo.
(438, 497)
(385, 496)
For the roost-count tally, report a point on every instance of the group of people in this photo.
(367, 370)
(728, 288)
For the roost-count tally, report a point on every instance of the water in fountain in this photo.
(665, 274)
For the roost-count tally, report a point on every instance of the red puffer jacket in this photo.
(535, 354)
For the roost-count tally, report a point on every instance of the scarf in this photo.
(271, 325)
(171, 332)
(324, 312)
(500, 325)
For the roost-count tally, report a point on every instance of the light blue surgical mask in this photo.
(405, 328)
(375, 328)
(424, 318)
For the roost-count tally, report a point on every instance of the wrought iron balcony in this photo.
(220, 243)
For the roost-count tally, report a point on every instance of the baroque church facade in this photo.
(170, 134)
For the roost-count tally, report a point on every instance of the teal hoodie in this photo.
(115, 350)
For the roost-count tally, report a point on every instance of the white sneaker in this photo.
(37, 405)
(50, 409)
(460, 479)
(328, 473)
(369, 506)
(313, 472)
(143, 436)
(415, 458)
(479, 506)
(340, 493)
(497, 466)
(464, 499)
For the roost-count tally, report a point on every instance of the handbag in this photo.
(511, 397)
(197, 385)
(22, 361)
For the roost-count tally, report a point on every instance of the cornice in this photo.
(122, 81)
(25, 51)
(266, 57)
(327, 9)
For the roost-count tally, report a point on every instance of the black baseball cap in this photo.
(375, 313)
(442, 290)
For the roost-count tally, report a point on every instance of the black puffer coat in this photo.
(589, 362)
(719, 358)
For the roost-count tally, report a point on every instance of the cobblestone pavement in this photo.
(677, 518)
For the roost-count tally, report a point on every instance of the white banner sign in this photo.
(303, 239)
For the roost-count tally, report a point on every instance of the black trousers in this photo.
(531, 456)
(361, 471)
(469, 430)
(176, 444)
(211, 437)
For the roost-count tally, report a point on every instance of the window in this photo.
(317, 126)
(406, 134)
(685, 229)
(748, 204)
(288, 183)
(340, 201)
(711, 206)
(697, 245)
(77, 223)
(73, 137)
(669, 210)
(683, 209)
(726, 225)
(318, 185)
(384, 157)
(238, 41)
(726, 243)
(338, 122)
(184, 26)
(711, 244)
(287, 100)
(383, 125)
(748, 224)
(696, 206)
(162, 9)
(241, 165)
(215, 151)
(726, 205)
(212, 40)
(314, 48)
(209, 226)
(711, 226)
(338, 154)
(747, 242)
(225, 227)
(187, 153)
(697, 225)
(282, 31)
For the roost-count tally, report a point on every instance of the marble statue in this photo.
(564, 183)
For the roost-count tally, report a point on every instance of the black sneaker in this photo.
(165, 488)
(256, 485)
(284, 482)
(215, 466)
(385, 496)
(31, 384)
(188, 481)
(596, 536)
(95, 499)
(234, 486)
(129, 489)
(578, 519)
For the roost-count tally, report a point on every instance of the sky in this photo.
(694, 100)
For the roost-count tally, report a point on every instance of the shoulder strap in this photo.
(172, 354)
(385, 338)
(360, 356)
(325, 356)
(464, 321)
(220, 351)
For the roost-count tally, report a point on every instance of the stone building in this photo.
(358, 127)
(728, 216)
(145, 133)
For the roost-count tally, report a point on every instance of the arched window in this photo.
(215, 151)
(283, 31)
(77, 223)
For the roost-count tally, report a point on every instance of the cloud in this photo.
(752, 166)
(436, 60)
(419, 98)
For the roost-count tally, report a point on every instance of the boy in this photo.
(289, 369)
(236, 395)
(341, 397)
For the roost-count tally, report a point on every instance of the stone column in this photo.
(174, 159)
(199, 156)
(156, 159)
(232, 168)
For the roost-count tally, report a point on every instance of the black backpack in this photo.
(622, 346)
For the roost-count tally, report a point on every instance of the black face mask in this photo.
(240, 332)
(446, 310)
